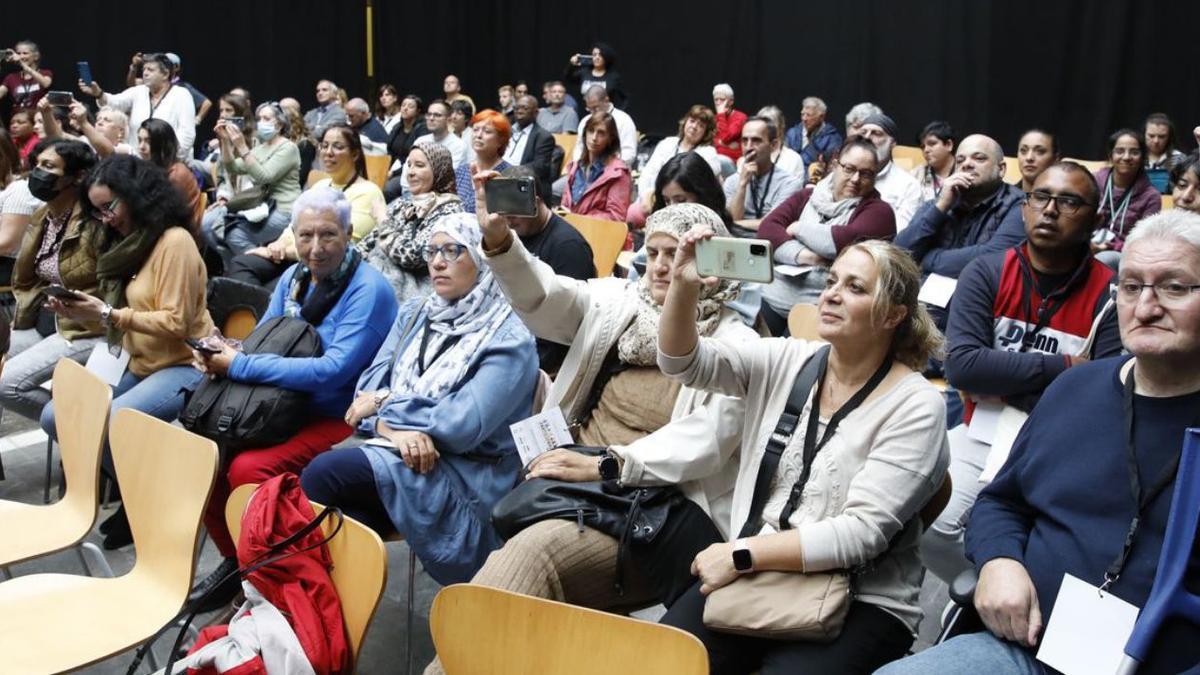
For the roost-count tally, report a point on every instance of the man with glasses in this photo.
(437, 120)
(1020, 318)
(328, 111)
(1064, 503)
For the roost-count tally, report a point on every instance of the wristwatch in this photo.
(742, 560)
(610, 469)
(106, 314)
(381, 396)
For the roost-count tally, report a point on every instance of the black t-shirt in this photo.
(565, 250)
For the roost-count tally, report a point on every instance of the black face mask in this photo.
(42, 184)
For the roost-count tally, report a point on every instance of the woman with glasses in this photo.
(811, 228)
(456, 370)
(351, 307)
(395, 246)
(1126, 195)
(1185, 183)
(150, 297)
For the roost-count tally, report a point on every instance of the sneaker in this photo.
(211, 593)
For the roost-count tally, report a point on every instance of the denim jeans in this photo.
(972, 654)
(20, 387)
(238, 240)
(160, 394)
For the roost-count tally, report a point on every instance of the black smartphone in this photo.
(511, 196)
(586, 61)
(200, 346)
(239, 122)
(85, 71)
(61, 99)
(56, 291)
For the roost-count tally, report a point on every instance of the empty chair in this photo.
(606, 237)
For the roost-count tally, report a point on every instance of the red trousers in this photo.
(256, 466)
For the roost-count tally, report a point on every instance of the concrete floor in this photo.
(23, 447)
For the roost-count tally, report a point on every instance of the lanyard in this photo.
(1050, 304)
(446, 345)
(760, 204)
(1141, 499)
(153, 105)
(1120, 211)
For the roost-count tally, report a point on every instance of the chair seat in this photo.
(28, 531)
(93, 619)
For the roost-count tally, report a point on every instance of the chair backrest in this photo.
(606, 237)
(1012, 170)
(203, 202)
(377, 168)
(313, 177)
(802, 322)
(166, 474)
(81, 404)
(1168, 202)
(905, 163)
(359, 565)
(477, 629)
(914, 156)
(937, 503)
(239, 324)
(567, 143)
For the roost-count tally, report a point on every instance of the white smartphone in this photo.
(735, 258)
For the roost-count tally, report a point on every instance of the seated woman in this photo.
(598, 183)
(387, 107)
(21, 131)
(229, 106)
(1036, 151)
(610, 386)
(696, 131)
(107, 135)
(1185, 182)
(342, 158)
(61, 249)
(156, 144)
(350, 305)
(937, 146)
(395, 246)
(812, 227)
(461, 112)
(16, 207)
(299, 134)
(150, 297)
(869, 479)
(457, 369)
(1126, 195)
(490, 131)
(407, 130)
(273, 165)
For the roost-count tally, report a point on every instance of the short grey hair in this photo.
(596, 92)
(723, 89)
(774, 113)
(1169, 224)
(323, 199)
(861, 112)
(358, 105)
(331, 83)
(285, 127)
(813, 101)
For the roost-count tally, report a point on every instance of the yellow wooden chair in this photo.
(313, 177)
(81, 403)
(359, 565)
(477, 629)
(1168, 202)
(606, 237)
(1012, 170)
(56, 622)
(239, 324)
(802, 322)
(907, 154)
(377, 168)
(567, 143)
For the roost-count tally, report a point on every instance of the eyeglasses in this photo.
(109, 210)
(1170, 294)
(336, 147)
(435, 114)
(450, 252)
(1066, 204)
(865, 174)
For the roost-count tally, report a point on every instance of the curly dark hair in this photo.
(144, 188)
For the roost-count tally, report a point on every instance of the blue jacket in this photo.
(445, 515)
(943, 243)
(350, 335)
(827, 141)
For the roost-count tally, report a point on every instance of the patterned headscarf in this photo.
(441, 164)
(638, 345)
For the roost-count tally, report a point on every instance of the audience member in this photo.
(598, 183)
(371, 133)
(459, 122)
(531, 145)
(815, 139)
(784, 157)
(202, 102)
(156, 144)
(597, 70)
(1126, 195)
(1036, 151)
(858, 114)
(597, 100)
(298, 133)
(289, 104)
(437, 121)
(696, 130)
(154, 98)
(873, 479)
(452, 91)
(937, 146)
(60, 249)
(23, 134)
(1020, 318)
(151, 297)
(234, 109)
(896, 186)
(30, 82)
(1159, 134)
(394, 246)
(506, 97)
(1111, 422)
(350, 305)
(443, 454)
(328, 111)
(407, 130)
(16, 207)
(810, 228)
(387, 107)
(107, 135)
(490, 134)
(1185, 183)
(728, 139)
(557, 117)
(759, 186)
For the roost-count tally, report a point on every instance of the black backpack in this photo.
(238, 415)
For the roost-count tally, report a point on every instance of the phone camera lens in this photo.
(758, 249)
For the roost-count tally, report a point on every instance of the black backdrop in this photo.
(1083, 68)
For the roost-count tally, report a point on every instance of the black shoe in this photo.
(211, 593)
(118, 534)
(118, 518)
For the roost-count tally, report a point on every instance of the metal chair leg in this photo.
(49, 469)
(412, 586)
(98, 559)
(5, 574)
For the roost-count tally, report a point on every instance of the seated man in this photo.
(759, 185)
(530, 145)
(371, 133)
(328, 111)
(975, 214)
(1020, 319)
(895, 185)
(814, 138)
(556, 117)
(1063, 502)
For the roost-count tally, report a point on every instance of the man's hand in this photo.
(1007, 601)
(749, 167)
(952, 189)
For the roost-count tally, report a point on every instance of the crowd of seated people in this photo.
(1067, 298)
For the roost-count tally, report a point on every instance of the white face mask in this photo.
(265, 130)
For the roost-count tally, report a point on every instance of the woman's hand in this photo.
(274, 251)
(361, 408)
(86, 310)
(90, 88)
(565, 465)
(575, 59)
(714, 567)
(685, 258)
(414, 447)
(78, 113)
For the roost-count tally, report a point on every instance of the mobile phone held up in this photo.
(239, 122)
(85, 71)
(64, 294)
(511, 196)
(200, 346)
(735, 258)
(60, 99)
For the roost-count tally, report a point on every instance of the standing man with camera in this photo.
(156, 97)
(30, 82)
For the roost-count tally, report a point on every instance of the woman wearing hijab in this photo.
(456, 370)
(614, 396)
(395, 246)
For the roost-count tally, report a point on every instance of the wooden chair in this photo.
(359, 565)
(477, 629)
(904, 163)
(802, 322)
(914, 156)
(58, 622)
(1168, 202)
(239, 324)
(81, 403)
(606, 237)
(567, 143)
(377, 168)
(313, 177)
(1012, 170)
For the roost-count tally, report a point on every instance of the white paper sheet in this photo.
(791, 270)
(541, 433)
(1088, 630)
(984, 420)
(1007, 427)
(108, 365)
(937, 290)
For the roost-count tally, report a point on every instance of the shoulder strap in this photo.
(781, 436)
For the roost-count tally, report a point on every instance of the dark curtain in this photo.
(1082, 68)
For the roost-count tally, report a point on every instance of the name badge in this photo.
(108, 363)
(1087, 631)
(541, 433)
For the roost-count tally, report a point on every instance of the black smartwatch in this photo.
(609, 468)
(742, 560)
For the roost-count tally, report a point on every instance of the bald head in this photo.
(986, 144)
(358, 112)
(982, 159)
(596, 98)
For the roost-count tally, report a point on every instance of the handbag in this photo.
(808, 606)
(244, 200)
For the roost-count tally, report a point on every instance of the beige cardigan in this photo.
(884, 462)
